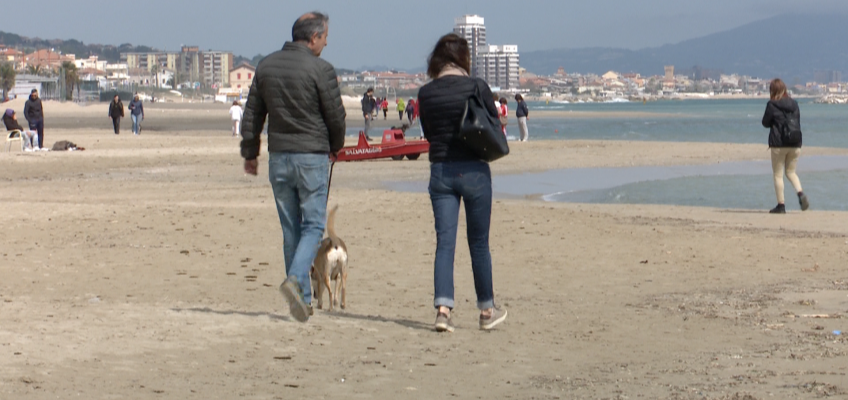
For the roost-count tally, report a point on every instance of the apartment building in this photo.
(498, 66)
(212, 68)
(473, 29)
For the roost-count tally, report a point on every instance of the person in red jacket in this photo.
(415, 113)
(385, 106)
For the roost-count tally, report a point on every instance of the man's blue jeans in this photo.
(470, 181)
(136, 121)
(299, 181)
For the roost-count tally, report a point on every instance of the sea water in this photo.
(746, 185)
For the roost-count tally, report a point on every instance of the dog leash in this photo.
(329, 181)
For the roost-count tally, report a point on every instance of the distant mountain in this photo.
(104, 52)
(792, 47)
(107, 52)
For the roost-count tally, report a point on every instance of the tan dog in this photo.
(330, 263)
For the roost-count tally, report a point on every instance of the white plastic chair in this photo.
(13, 136)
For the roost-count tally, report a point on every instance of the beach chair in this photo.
(13, 136)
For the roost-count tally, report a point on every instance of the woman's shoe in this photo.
(802, 198)
(444, 323)
(779, 209)
(497, 316)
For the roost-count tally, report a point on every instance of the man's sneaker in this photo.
(297, 307)
(779, 209)
(497, 316)
(444, 323)
(802, 198)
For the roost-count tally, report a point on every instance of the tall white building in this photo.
(498, 66)
(473, 29)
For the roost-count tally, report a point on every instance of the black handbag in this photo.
(479, 131)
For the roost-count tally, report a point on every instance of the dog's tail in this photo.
(331, 231)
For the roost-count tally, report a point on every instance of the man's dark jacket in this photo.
(116, 109)
(32, 110)
(776, 113)
(300, 95)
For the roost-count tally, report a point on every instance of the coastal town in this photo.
(215, 75)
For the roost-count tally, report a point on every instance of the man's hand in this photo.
(251, 166)
(334, 155)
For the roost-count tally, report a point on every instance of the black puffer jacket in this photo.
(440, 105)
(33, 110)
(774, 116)
(299, 94)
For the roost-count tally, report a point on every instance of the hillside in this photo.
(792, 47)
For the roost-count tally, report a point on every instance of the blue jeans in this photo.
(136, 121)
(470, 181)
(38, 126)
(299, 182)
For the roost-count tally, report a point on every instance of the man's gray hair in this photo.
(309, 25)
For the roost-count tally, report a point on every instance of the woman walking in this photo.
(116, 112)
(783, 115)
(136, 113)
(456, 174)
(521, 114)
(504, 112)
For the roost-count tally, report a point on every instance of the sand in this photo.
(147, 267)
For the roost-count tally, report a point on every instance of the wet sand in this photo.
(148, 267)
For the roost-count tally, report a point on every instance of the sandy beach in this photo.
(148, 267)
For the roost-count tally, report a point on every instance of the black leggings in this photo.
(116, 123)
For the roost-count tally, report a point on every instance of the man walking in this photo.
(300, 138)
(367, 109)
(116, 112)
(34, 114)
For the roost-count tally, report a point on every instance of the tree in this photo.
(7, 79)
(155, 71)
(38, 69)
(69, 73)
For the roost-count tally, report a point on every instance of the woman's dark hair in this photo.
(235, 103)
(503, 100)
(777, 89)
(518, 97)
(450, 49)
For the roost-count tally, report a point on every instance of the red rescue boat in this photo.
(394, 145)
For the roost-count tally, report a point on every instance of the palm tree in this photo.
(7, 79)
(69, 72)
(155, 71)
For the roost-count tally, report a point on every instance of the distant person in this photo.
(401, 106)
(415, 110)
(34, 114)
(410, 110)
(457, 176)
(136, 113)
(497, 101)
(116, 112)
(504, 114)
(385, 106)
(29, 138)
(367, 109)
(235, 116)
(784, 151)
(299, 94)
(522, 113)
(375, 106)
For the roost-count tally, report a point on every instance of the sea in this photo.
(731, 185)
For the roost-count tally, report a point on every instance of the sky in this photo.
(400, 33)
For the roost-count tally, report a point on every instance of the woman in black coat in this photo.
(785, 150)
(457, 174)
(116, 112)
